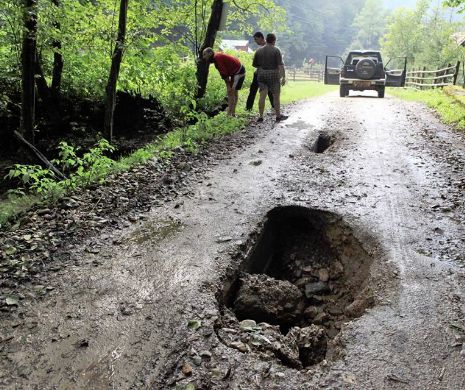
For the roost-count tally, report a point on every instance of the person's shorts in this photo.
(238, 79)
(269, 80)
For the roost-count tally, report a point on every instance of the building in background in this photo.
(236, 45)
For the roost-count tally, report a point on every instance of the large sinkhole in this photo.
(322, 142)
(305, 275)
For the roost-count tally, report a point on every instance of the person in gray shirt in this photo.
(271, 75)
(259, 39)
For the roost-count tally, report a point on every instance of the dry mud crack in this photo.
(323, 252)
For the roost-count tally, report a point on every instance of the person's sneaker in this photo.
(259, 120)
(281, 118)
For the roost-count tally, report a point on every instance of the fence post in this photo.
(422, 77)
(447, 75)
(457, 68)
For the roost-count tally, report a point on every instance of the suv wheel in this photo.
(343, 90)
(381, 92)
(365, 68)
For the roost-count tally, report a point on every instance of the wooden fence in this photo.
(424, 79)
(305, 74)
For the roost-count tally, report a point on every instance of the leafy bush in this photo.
(92, 166)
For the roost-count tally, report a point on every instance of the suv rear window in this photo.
(354, 58)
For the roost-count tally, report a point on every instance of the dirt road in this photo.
(353, 206)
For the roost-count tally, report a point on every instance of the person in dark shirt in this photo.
(260, 41)
(270, 74)
(232, 72)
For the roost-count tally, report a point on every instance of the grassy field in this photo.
(292, 92)
(449, 104)
(301, 90)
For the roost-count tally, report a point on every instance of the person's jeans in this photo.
(253, 93)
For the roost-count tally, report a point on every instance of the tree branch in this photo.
(40, 156)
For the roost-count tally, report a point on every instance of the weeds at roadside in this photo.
(40, 185)
(449, 109)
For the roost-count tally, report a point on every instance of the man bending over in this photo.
(231, 71)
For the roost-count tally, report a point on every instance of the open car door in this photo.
(396, 71)
(333, 66)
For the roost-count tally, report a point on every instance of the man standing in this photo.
(232, 72)
(271, 75)
(260, 41)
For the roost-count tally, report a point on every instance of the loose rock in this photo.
(268, 300)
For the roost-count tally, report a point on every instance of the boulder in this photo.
(266, 299)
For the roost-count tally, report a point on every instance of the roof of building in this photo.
(459, 38)
(233, 44)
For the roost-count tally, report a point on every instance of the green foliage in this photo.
(92, 166)
(369, 26)
(316, 28)
(186, 21)
(455, 3)
(36, 178)
(159, 54)
(423, 35)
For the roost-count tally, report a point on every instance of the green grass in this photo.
(189, 138)
(295, 91)
(292, 92)
(449, 108)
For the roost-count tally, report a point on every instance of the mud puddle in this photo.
(305, 277)
(158, 230)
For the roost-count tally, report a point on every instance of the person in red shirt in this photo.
(232, 72)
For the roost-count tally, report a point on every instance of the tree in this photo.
(369, 26)
(57, 58)
(28, 61)
(422, 35)
(455, 3)
(316, 28)
(110, 98)
(405, 32)
(209, 41)
(201, 21)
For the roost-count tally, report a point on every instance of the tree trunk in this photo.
(45, 94)
(57, 61)
(28, 59)
(110, 99)
(209, 41)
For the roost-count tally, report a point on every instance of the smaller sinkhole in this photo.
(305, 276)
(322, 142)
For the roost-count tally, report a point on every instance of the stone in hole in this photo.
(322, 142)
(305, 276)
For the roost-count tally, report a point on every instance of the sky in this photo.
(391, 4)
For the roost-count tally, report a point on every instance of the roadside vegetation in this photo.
(39, 185)
(449, 105)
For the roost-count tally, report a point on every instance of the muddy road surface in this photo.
(324, 252)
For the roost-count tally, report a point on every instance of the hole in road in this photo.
(305, 276)
(322, 142)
